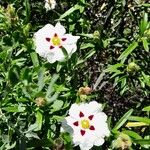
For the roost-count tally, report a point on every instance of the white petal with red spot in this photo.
(50, 40)
(88, 123)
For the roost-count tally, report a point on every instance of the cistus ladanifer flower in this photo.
(50, 41)
(87, 125)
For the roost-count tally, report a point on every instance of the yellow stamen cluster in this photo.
(56, 41)
(85, 124)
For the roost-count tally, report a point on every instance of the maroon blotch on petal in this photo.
(48, 39)
(92, 128)
(81, 114)
(51, 47)
(82, 132)
(64, 39)
(76, 123)
(91, 117)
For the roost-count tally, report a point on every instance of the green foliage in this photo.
(113, 58)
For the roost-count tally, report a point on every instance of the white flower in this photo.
(87, 125)
(50, 40)
(50, 4)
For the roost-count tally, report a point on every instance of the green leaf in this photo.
(87, 35)
(86, 45)
(145, 44)
(28, 10)
(128, 51)
(39, 119)
(144, 24)
(113, 68)
(146, 5)
(50, 87)
(34, 58)
(146, 108)
(123, 120)
(16, 108)
(143, 141)
(57, 105)
(70, 11)
(132, 134)
(140, 119)
(41, 79)
(88, 55)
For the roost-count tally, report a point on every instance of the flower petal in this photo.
(42, 45)
(95, 107)
(59, 29)
(70, 39)
(86, 146)
(74, 111)
(70, 49)
(58, 55)
(99, 142)
(100, 124)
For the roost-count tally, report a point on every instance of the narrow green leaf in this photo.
(34, 58)
(50, 88)
(15, 108)
(128, 51)
(57, 105)
(123, 120)
(86, 45)
(146, 108)
(70, 11)
(145, 44)
(132, 134)
(39, 119)
(144, 24)
(113, 68)
(143, 141)
(140, 119)
(41, 79)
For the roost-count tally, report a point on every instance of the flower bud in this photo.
(132, 67)
(85, 90)
(40, 101)
(83, 98)
(11, 14)
(122, 142)
(96, 34)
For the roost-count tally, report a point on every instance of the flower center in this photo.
(56, 40)
(85, 124)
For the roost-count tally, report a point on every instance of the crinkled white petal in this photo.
(70, 49)
(100, 124)
(50, 57)
(70, 39)
(46, 31)
(87, 138)
(55, 54)
(50, 4)
(95, 107)
(99, 142)
(42, 46)
(86, 146)
(59, 29)
(70, 121)
(74, 111)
